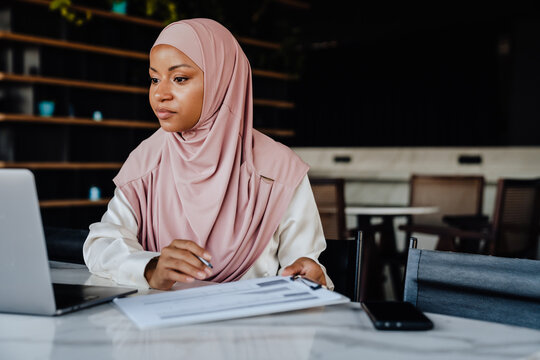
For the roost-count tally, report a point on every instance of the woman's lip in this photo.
(164, 114)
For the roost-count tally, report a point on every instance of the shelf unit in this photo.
(58, 148)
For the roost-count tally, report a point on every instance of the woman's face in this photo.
(176, 88)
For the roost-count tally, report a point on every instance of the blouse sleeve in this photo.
(112, 249)
(300, 231)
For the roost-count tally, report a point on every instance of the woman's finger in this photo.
(294, 269)
(187, 268)
(187, 263)
(182, 254)
(192, 247)
(307, 268)
(178, 277)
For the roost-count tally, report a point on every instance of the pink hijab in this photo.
(221, 184)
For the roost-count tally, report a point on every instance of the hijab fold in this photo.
(221, 184)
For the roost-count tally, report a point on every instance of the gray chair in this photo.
(484, 287)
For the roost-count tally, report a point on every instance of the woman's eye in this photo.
(180, 79)
(153, 81)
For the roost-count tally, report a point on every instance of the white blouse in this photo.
(112, 249)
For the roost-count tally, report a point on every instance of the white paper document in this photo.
(226, 301)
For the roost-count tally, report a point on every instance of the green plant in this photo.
(66, 10)
(166, 8)
(163, 9)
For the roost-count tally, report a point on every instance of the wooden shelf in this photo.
(73, 202)
(78, 121)
(73, 83)
(61, 165)
(153, 23)
(274, 74)
(277, 132)
(55, 120)
(274, 103)
(112, 87)
(38, 40)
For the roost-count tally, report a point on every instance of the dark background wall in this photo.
(378, 75)
(370, 73)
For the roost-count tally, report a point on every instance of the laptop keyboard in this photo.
(68, 295)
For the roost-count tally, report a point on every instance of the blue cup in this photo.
(119, 7)
(97, 116)
(94, 193)
(46, 108)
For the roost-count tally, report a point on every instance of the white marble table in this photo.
(335, 332)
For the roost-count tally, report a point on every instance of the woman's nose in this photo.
(163, 91)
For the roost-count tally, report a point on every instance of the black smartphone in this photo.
(396, 315)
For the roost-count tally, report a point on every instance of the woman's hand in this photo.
(307, 268)
(178, 262)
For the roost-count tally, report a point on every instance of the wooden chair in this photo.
(330, 199)
(515, 228)
(454, 195)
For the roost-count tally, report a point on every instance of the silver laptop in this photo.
(25, 278)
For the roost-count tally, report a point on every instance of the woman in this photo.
(206, 187)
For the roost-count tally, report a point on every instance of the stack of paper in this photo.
(226, 301)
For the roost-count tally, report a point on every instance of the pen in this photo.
(205, 262)
(312, 284)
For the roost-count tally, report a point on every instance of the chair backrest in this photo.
(343, 260)
(64, 244)
(452, 194)
(330, 199)
(474, 286)
(516, 218)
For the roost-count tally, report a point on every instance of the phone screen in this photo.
(396, 315)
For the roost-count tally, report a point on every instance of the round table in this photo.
(390, 210)
(386, 253)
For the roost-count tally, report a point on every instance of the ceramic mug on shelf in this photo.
(94, 193)
(46, 108)
(119, 6)
(97, 116)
